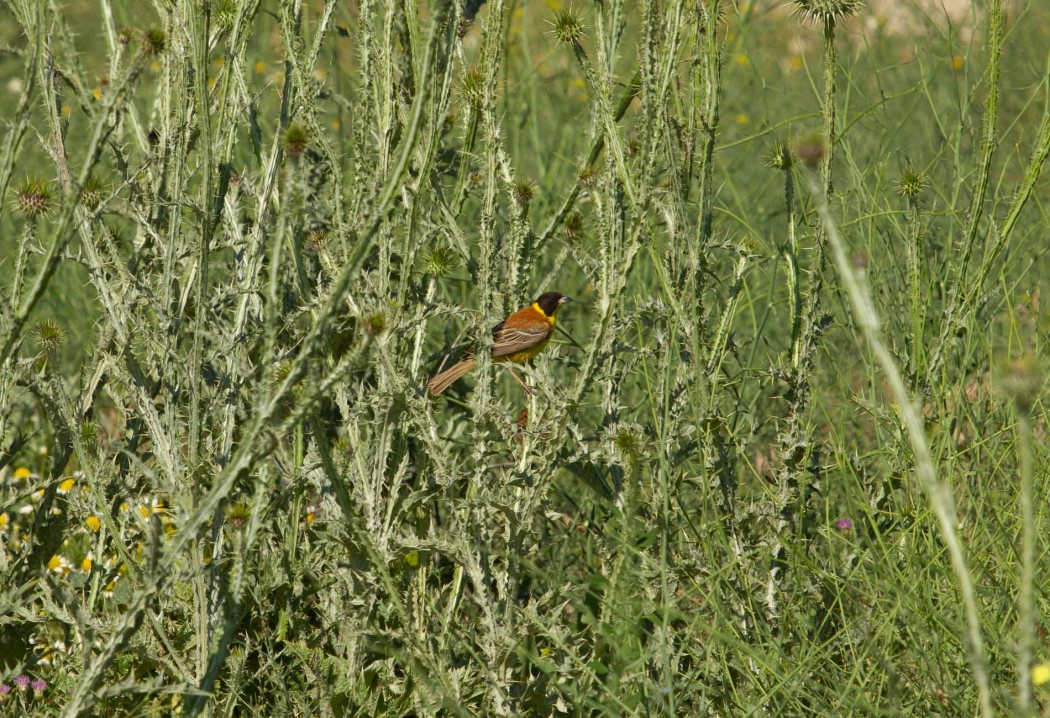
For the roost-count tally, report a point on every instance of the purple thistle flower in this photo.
(5, 690)
(21, 682)
(38, 687)
(844, 524)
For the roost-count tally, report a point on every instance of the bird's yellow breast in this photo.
(525, 354)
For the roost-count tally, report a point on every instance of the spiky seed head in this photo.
(567, 26)
(629, 442)
(574, 226)
(155, 41)
(440, 261)
(93, 193)
(524, 191)
(49, 334)
(824, 11)
(296, 139)
(316, 238)
(472, 87)
(238, 515)
(912, 183)
(375, 324)
(588, 177)
(88, 433)
(280, 373)
(224, 12)
(780, 157)
(116, 234)
(33, 198)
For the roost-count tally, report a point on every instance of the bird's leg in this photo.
(526, 389)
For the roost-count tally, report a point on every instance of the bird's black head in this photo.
(550, 302)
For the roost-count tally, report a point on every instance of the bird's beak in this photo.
(564, 300)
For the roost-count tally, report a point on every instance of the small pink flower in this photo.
(38, 687)
(844, 524)
(21, 682)
(5, 690)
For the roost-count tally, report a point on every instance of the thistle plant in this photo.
(911, 184)
(828, 14)
(799, 476)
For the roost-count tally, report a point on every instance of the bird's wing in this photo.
(510, 340)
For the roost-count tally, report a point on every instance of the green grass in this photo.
(784, 457)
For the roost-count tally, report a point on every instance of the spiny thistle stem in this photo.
(911, 185)
(828, 111)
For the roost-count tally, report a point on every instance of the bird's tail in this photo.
(446, 378)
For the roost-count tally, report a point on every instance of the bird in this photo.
(516, 339)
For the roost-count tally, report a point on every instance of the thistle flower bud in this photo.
(911, 183)
(440, 261)
(33, 198)
(524, 190)
(296, 139)
(780, 157)
(567, 26)
(49, 334)
(472, 87)
(155, 41)
(824, 11)
(93, 193)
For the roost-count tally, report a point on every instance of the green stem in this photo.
(828, 110)
(914, 278)
(1026, 599)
